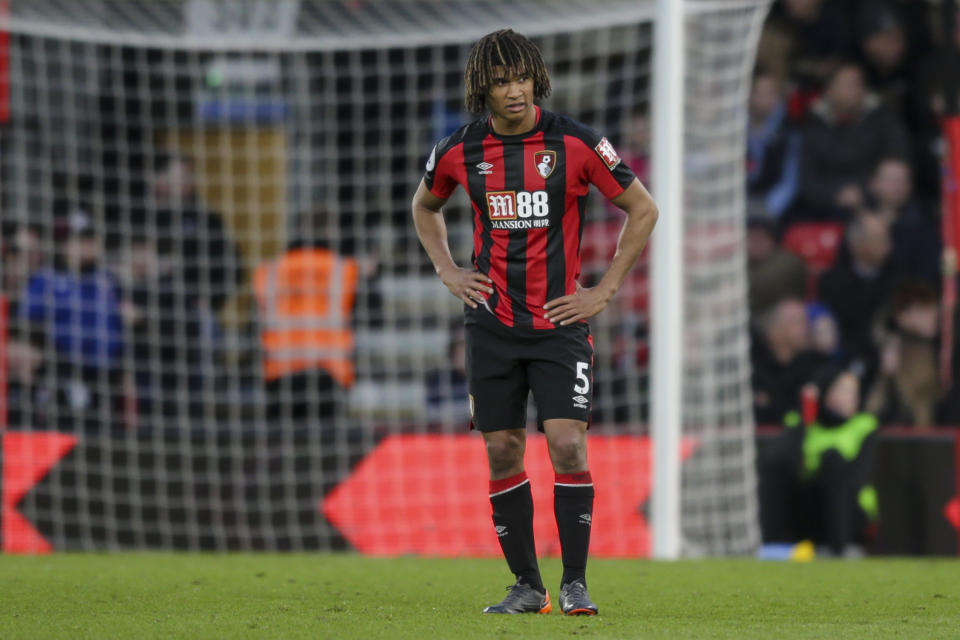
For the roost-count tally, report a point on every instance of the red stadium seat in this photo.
(816, 242)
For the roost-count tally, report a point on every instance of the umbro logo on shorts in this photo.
(586, 518)
(501, 530)
(580, 402)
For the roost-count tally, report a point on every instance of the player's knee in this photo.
(569, 454)
(504, 453)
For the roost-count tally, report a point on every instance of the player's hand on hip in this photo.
(466, 284)
(583, 303)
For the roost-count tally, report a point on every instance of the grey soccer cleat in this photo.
(522, 599)
(575, 601)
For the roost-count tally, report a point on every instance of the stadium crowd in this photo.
(844, 247)
(104, 335)
(844, 256)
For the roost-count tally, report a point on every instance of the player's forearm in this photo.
(432, 231)
(641, 218)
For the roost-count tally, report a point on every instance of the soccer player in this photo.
(527, 172)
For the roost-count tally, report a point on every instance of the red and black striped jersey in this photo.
(529, 196)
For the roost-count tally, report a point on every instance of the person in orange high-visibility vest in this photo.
(305, 299)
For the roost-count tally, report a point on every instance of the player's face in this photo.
(510, 100)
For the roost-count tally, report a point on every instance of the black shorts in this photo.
(504, 365)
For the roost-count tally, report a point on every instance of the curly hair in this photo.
(503, 48)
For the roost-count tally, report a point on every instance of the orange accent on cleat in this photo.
(547, 608)
(523, 599)
(575, 601)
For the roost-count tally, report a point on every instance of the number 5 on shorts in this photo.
(583, 381)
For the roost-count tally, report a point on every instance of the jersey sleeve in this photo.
(439, 173)
(605, 170)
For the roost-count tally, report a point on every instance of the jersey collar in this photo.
(516, 136)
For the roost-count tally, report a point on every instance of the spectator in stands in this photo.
(192, 239)
(139, 272)
(198, 269)
(25, 396)
(824, 333)
(447, 402)
(858, 286)
(846, 133)
(885, 55)
(814, 480)
(773, 149)
(22, 257)
(75, 307)
(916, 238)
(908, 387)
(928, 106)
(306, 303)
(782, 361)
(773, 273)
(805, 40)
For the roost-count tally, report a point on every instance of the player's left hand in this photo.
(583, 303)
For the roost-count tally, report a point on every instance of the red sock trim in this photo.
(583, 477)
(499, 486)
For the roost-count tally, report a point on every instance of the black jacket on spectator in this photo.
(916, 245)
(776, 385)
(855, 299)
(931, 75)
(808, 44)
(837, 153)
(202, 269)
(209, 266)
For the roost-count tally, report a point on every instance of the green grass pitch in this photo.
(347, 596)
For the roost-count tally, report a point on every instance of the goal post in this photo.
(162, 155)
(667, 290)
(675, 87)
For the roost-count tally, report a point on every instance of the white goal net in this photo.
(171, 383)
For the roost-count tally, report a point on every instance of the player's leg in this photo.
(512, 503)
(505, 451)
(561, 380)
(573, 507)
(572, 494)
(498, 389)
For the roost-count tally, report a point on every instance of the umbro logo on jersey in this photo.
(580, 402)
(586, 518)
(485, 168)
(501, 530)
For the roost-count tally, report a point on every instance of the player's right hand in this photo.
(467, 285)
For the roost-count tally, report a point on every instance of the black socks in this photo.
(513, 519)
(573, 506)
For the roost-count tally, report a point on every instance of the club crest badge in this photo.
(545, 161)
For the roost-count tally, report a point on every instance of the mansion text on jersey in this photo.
(539, 223)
